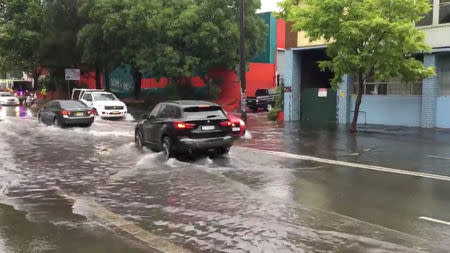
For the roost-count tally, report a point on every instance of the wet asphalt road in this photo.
(249, 201)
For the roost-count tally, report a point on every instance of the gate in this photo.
(318, 105)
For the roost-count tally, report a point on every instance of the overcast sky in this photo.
(269, 5)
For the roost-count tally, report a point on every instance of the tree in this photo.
(58, 49)
(22, 26)
(185, 38)
(368, 39)
(100, 49)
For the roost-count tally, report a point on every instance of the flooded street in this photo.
(91, 190)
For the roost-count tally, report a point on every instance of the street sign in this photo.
(72, 74)
(323, 93)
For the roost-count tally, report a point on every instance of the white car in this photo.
(7, 98)
(104, 104)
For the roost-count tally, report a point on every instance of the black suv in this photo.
(185, 127)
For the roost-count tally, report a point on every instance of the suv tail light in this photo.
(65, 112)
(228, 124)
(183, 125)
(90, 112)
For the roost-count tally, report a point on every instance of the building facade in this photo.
(422, 104)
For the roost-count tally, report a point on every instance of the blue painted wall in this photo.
(443, 112)
(292, 81)
(390, 110)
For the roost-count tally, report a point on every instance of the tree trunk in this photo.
(98, 76)
(137, 79)
(358, 103)
(107, 81)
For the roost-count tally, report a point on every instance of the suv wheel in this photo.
(167, 147)
(138, 140)
(269, 107)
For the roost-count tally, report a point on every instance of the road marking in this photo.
(353, 165)
(439, 157)
(435, 220)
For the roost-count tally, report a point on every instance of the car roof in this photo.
(191, 103)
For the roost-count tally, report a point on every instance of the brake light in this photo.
(183, 125)
(228, 124)
(65, 112)
(90, 112)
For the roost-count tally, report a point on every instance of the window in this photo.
(155, 111)
(393, 87)
(71, 104)
(52, 105)
(104, 97)
(428, 19)
(87, 97)
(444, 11)
(170, 112)
(444, 75)
(207, 112)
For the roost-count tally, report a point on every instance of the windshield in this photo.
(71, 104)
(104, 97)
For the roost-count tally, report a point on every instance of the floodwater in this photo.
(247, 202)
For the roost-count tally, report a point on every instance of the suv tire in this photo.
(167, 147)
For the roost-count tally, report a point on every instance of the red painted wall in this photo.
(260, 76)
(281, 34)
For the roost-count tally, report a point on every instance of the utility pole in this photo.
(242, 66)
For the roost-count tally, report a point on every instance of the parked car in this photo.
(186, 127)
(66, 113)
(104, 104)
(7, 98)
(239, 128)
(264, 98)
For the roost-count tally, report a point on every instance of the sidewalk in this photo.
(413, 149)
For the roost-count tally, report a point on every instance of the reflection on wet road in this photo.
(247, 202)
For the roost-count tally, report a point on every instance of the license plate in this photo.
(236, 129)
(208, 128)
(79, 114)
(115, 113)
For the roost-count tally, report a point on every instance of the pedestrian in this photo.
(44, 93)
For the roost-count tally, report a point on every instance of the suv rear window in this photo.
(206, 112)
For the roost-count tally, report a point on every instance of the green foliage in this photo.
(185, 38)
(371, 38)
(279, 104)
(168, 38)
(273, 114)
(22, 25)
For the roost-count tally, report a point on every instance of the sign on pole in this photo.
(72, 74)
